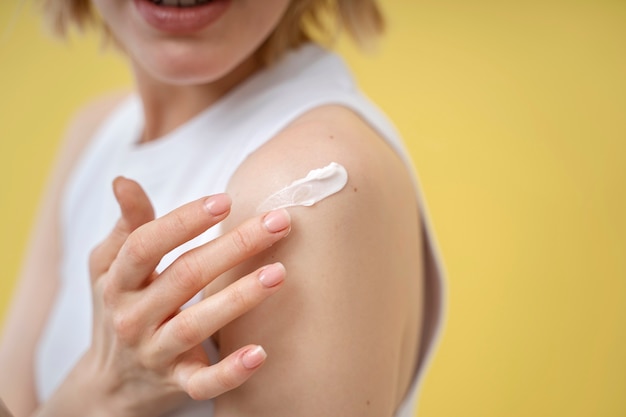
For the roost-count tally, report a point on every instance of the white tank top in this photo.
(194, 160)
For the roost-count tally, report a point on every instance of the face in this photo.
(201, 43)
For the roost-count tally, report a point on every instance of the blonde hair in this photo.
(304, 21)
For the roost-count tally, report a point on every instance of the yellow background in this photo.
(514, 112)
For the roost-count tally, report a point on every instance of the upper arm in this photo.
(341, 334)
(38, 280)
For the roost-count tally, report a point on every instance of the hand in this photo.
(146, 356)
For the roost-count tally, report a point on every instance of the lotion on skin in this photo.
(316, 186)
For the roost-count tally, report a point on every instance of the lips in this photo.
(180, 3)
(181, 17)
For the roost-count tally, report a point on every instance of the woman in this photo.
(231, 95)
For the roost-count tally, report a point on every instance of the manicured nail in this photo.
(253, 357)
(218, 204)
(277, 220)
(272, 275)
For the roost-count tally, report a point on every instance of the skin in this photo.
(38, 279)
(3, 410)
(145, 357)
(343, 331)
(178, 76)
(342, 334)
(144, 348)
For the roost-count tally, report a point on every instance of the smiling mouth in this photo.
(181, 17)
(180, 3)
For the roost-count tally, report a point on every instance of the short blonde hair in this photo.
(304, 20)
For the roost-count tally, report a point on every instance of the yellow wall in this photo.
(514, 112)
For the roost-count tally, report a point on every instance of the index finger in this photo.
(144, 248)
(195, 269)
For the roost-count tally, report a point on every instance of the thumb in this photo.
(134, 203)
(136, 210)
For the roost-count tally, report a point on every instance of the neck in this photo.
(168, 106)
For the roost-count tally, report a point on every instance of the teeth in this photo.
(180, 3)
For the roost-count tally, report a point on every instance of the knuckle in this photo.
(151, 357)
(186, 329)
(243, 241)
(184, 274)
(177, 224)
(110, 292)
(228, 378)
(126, 327)
(195, 392)
(237, 297)
(136, 249)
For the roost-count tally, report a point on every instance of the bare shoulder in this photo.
(323, 135)
(349, 311)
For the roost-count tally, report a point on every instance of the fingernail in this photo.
(253, 357)
(218, 204)
(272, 275)
(277, 220)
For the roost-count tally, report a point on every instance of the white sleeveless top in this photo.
(195, 160)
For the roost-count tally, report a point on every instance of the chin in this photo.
(187, 73)
(186, 66)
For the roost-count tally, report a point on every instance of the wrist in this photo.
(85, 392)
(91, 390)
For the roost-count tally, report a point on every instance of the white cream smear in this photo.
(316, 186)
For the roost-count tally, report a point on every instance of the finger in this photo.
(208, 382)
(143, 249)
(197, 323)
(193, 270)
(136, 210)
